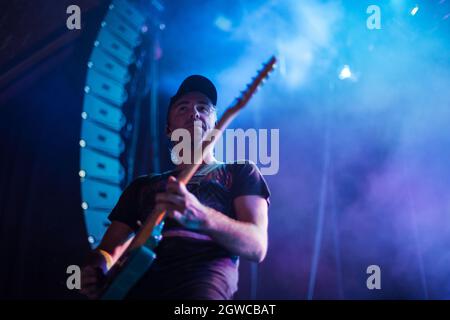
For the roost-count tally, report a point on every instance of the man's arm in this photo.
(116, 239)
(114, 242)
(246, 236)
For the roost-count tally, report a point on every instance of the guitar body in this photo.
(128, 273)
(131, 267)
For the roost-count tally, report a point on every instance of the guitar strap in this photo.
(202, 172)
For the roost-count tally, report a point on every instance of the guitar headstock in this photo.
(253, 86)
(239, 103)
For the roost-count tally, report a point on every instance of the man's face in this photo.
(191, 107)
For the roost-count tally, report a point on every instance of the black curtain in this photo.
(42, 228)
(42, 225)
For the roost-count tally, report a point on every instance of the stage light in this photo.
(82, 143)
(84, 205)
(90, 64)
(82, 173)
(91, 239)
(87, 89)
(345, 73)
(223, 23)
(414, 10)
(162, 26)
(84, 115)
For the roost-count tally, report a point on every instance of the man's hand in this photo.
(183, 206)
(92, 281)
(93, 276)
(245, 236)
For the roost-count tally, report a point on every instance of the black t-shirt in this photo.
(186, 267)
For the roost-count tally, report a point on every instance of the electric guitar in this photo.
(139, 254)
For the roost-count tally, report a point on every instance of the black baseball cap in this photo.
(196, 83)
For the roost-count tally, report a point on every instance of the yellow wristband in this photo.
(108, 258)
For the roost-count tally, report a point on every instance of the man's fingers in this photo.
(88, 275)
(88, 279)
(91, 282)
(174, 214)
(92, 290)
(92, 293)
(89, 289)
(166, 206)
(175, 186)
(171, 198)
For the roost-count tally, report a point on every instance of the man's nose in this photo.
(195, 115)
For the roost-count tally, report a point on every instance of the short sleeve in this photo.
(248, 180)
(126, 209)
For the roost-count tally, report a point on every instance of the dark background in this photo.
(368, 154)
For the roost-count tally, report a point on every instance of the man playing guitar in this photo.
(221, 215)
